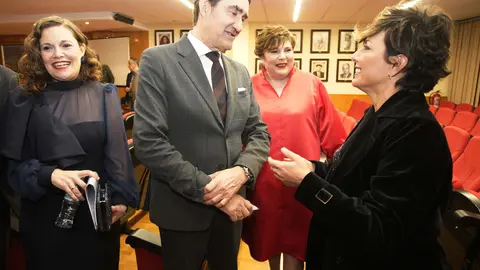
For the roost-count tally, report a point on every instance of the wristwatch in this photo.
(248, 173)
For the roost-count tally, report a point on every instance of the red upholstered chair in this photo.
(466, 169)
(448, 104)
(445, 116)
(357, 109)
(476, 129)
(148, 249)
(464, 107)
(349, 123)
(477, 111)
(16, 259)
(465, 120)
(457, 139)
(433, 109)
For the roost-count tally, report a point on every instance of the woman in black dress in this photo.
(68, 126)
(378, 204)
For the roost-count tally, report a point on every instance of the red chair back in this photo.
(476, 129)
(448, 104)
(464, 107)
(465, 120)
(457, 139)
(445, 116)
(357, 109)
(466, 169)
(477, 111)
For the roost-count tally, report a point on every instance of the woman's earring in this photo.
(82, 60)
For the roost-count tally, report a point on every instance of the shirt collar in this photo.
(200, 48)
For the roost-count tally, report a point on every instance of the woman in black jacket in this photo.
(378, 204)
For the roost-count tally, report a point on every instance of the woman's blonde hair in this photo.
(271, 37)
(33, 74)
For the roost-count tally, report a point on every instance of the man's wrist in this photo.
(248, 174)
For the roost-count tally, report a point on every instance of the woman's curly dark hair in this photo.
(422, 34)
(33, 74)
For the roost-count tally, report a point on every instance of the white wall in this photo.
(244, 45)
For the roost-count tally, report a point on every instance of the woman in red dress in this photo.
(301, 117)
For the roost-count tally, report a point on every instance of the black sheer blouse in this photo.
(72, 125)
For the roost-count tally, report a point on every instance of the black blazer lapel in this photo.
(362, 139)
(232, 88)
(190, 63)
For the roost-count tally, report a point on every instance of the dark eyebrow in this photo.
(61, 42)
(239, 10)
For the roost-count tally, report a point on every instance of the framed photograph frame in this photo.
(163, 37)
(258, 65)
(297, 62)
(319, 68)
(183, 32)
(320, 41)
(346, 41)
(345, 70)
(298, 34)
(10, 54)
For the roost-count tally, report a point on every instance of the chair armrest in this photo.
(466, 218)
(141, 238)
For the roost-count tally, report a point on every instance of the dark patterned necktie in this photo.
(218, 83)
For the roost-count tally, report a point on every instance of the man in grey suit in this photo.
(198, 128)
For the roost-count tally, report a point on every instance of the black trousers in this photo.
(4, 231)
(218, 245)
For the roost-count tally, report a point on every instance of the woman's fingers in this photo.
(69, 188)
(78, 181)
(88, 173)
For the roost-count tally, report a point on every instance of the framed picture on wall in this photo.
(346, 42)
(297, 62)
(163, 37)
(298, 35)
(320, 41)
(10, 55)
(183, 32)
(319, 68)
(345, 70)
(258, 65)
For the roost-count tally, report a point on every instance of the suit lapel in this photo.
(362, 139)
(232, 88)
(191, 64)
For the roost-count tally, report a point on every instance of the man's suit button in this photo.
(338, 260)
(220, 167)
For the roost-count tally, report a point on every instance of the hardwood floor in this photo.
(129, 262)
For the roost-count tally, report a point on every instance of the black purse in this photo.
(98, 199)
(104, 208)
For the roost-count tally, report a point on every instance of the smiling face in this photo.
(61, 53)
(221, 24)
(371, 67)
(279, 61)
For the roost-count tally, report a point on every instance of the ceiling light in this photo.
(187, 3)
(410, 4)
(296, 10)
(87, 22)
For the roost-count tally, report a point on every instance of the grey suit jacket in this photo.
(179, 135)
